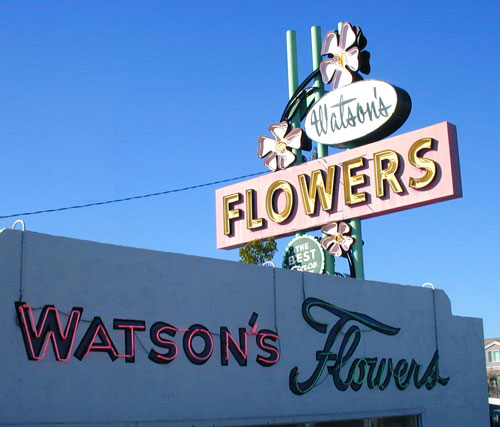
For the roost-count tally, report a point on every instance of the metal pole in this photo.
(355, 224)
(357, 247)
(322, 148)
(293, 83)
(316, 59)
(293, 79)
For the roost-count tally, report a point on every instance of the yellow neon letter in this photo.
(317, 188)
(285, 213)
(252, 222)
(423, 163)
(353, 181)
(229, 214)
(388, 174)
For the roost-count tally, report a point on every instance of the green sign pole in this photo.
(293, 83)
(355, 224)
(316, 60)
(293, 79)
(322, 148)
(357, 247)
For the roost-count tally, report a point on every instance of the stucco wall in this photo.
(126, 283)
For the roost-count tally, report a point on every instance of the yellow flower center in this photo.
(341, 59)
(339, 238)
(281, 146)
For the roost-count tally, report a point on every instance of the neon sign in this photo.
(96, 338)
(397, 173)
(375, 373)
(36, 339)
(362, 112)
(346, 370)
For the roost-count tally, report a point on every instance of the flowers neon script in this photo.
(276, 151)
(345, 58)
(337, 241)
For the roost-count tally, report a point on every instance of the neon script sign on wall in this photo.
(346, 369)
(49, 329)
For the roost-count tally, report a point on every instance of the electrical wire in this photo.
(291, 108)
(126, 199)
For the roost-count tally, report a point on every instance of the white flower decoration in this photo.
(344, 56)
(277, 153)
(336, 242)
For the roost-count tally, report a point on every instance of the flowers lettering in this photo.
(337, 241)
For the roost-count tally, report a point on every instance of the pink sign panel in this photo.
(402, 172)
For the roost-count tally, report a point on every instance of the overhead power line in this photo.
(126, 199)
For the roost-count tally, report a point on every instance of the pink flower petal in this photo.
(347, 243)
(341, 77)
(266, 145)
(351, 58)
(330, 228)
(336, 250)
(285, 159)
(271, 161)
(279, 130)
(293, 139)
(328, 67)
(330, 44)
(347, 36)
(328, 241)
(336, 78)
(343, 228)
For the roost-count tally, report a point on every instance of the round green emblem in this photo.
(304, 253)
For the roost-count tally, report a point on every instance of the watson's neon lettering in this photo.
(129, 326)
(197, 340)
(36, 338)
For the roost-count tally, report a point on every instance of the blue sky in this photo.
(104, 100)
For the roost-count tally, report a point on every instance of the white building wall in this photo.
(127, 283)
